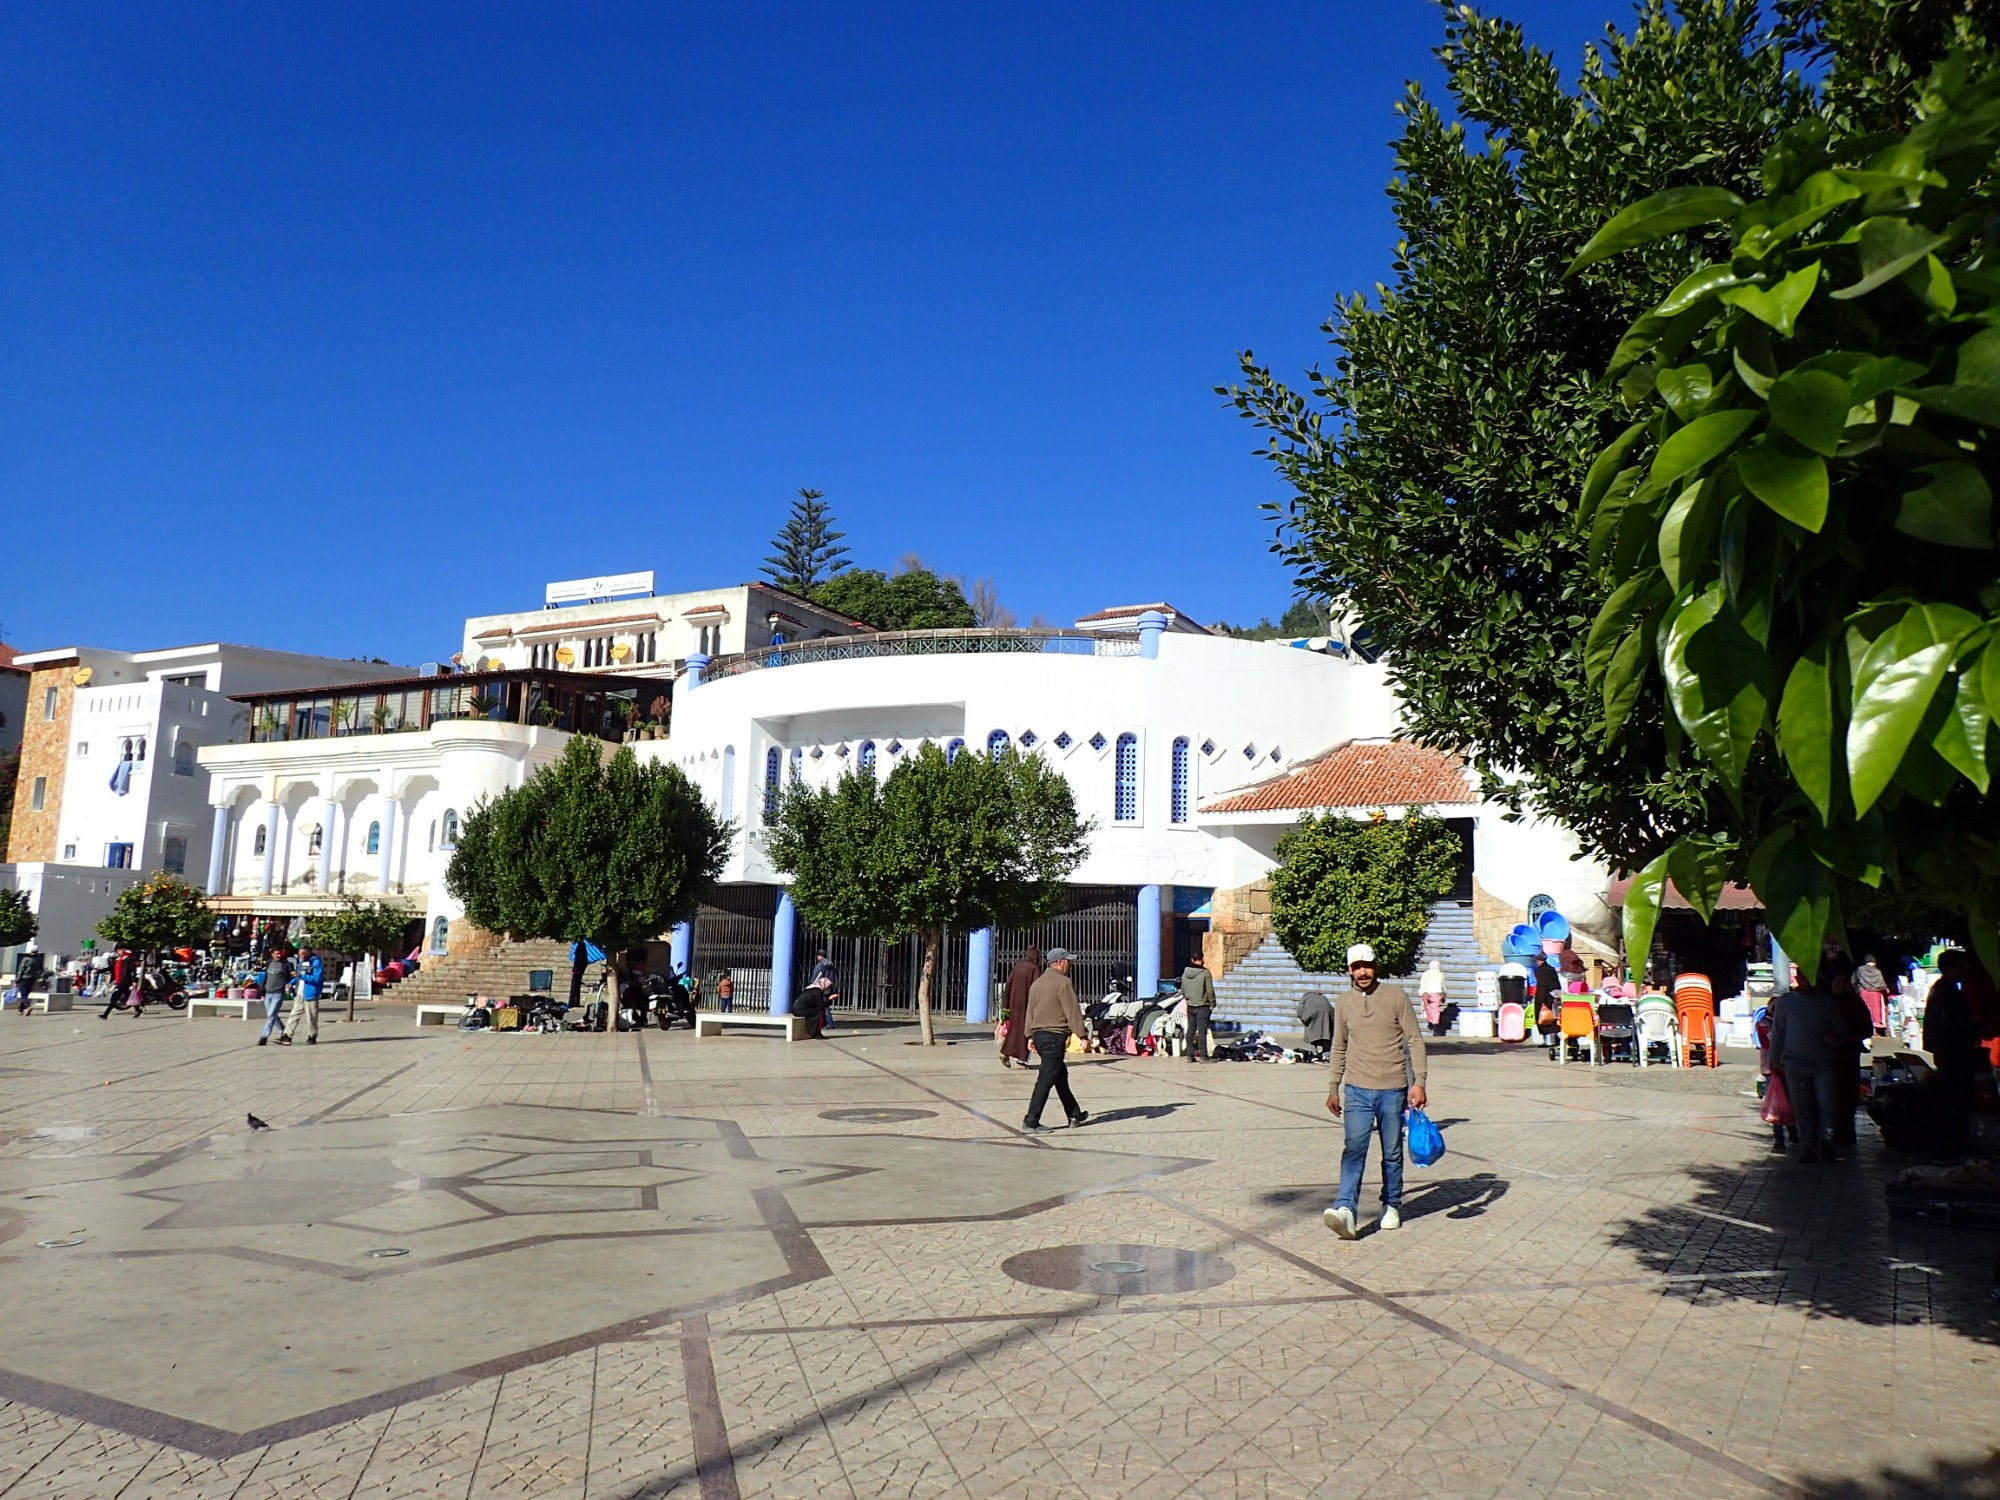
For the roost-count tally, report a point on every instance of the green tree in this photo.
(806, 550)
(961, 842)
(1342, 880)
(1434, 468)
(913, 599)
(162, 911)
(615, 851)
(356, 928)
(1301, 617)
(17, 920)
(1799, 526)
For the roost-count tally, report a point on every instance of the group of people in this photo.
(279, 973)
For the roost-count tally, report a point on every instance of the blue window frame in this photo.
(865, 758)
(1180, 787)
(996, 743)
(772, 762)
(1125, 802)
(374, 845)
(728, 781)
(951, 751)
(798, 763)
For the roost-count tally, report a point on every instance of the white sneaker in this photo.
(1392, 1218)
(1341, 1221)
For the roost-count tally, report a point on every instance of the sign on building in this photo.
(591, 590)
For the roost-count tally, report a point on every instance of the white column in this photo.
(329, 810)
(270, 846)
(388, 844)
(218, 852)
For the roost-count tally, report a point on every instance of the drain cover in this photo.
(387, 1252)
(1118, 1270)
(58, 1244)
(1118, 1267)
(710, 1218)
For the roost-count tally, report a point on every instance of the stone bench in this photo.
(48, 1002)
(711, 1022)
(222, 1005)
(439, 1015)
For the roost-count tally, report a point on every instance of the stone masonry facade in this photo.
(44, 755)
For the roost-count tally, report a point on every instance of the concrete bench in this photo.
(439, 1015)
(223, 1005)
(711, 1022)
(48, 1002)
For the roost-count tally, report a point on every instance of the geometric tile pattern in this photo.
(1608, 1285)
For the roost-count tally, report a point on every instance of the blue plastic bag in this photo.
(1426, 1140)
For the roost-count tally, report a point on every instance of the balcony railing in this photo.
(923, 643)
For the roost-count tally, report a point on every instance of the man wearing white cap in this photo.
(1378, 1049)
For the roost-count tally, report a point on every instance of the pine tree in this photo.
(806, 550)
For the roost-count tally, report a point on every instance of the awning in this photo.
(277, 905)
(1734, 897)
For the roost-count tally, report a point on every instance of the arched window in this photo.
(728, 781)
(449, 835)
(865, 757)
(1125, 803)
(772, 762)
(951, 751)
(374, 845)
(257, 845)
(1179, 811)
(996, 743)
(184, 759)
(440, 930)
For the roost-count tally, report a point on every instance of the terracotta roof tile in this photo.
(1360, 773)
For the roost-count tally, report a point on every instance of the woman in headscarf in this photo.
(1316, 1015)
(1874, 988)
(1020, 979)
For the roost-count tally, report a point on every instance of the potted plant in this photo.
(482, 704)
(659, 709)
(380, 715)
(343, 714)
(548, 713)
(629, 710)
(267, 723)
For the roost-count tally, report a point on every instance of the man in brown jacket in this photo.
(1053, 1018)
(1378, 1048)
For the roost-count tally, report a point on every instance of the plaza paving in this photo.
(571, 1266)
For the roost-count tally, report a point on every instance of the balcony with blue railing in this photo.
(923, 643)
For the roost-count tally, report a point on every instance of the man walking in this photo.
(277, 976)
(28, 974)
(1378, 1049)
(1053, 1018)
(1810, 1041)
(1198, 989)
(305, 1009)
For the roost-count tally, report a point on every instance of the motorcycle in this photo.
(672, 1001)
(153, 987)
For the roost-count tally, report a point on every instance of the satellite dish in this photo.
(565, 656)
(82, 677)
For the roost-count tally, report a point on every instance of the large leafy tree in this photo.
(1434, 468)
(962, 842)
(1342, 880)
(358, 927)
(1799, 527)
(806, 551)
(913, 599)
(615, 852)
(162, 911)
(17, 919)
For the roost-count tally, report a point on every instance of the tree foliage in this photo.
(1342, 880)
(1301, 617)
(913, 599)
(806, 551)
(1433, 469)
(1798, 528)
(946, 842)
(616, 852)
(17, 920)
(356, 927)
(162, 911)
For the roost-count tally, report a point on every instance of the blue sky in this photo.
(328, 326)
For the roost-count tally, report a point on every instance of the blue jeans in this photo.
(1366, 1112)
(273, 1004)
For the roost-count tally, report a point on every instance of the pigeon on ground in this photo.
(255, 1123)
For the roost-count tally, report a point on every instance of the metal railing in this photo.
(923, 643)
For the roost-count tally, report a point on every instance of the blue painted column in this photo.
(218, 852)
(681, 945)
(979, 976)
(784, 934)
(697, 663)
(1148, 977)
(1152, 625)
(1781, 968)
(390, 833)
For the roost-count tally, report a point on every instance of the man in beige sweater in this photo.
(1378, 1071)
(1053, 1018)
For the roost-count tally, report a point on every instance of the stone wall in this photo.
(1239, 920)
(44, 753)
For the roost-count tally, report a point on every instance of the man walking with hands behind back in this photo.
(1198, 989)
(1378, 1048)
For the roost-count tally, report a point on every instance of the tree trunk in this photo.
(354, 981)
(614, 987)
(926, 978)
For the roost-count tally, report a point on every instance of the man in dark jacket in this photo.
(1053, 1018)
(28, 974)
(1810, 1040)
(277, 976)
(1198, 989)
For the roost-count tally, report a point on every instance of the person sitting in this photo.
(812, 1004)
(1316, 1015)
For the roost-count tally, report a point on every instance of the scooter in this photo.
(153, 988)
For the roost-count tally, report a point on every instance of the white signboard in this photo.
(586, 590)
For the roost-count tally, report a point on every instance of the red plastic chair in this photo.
(1694, 1009)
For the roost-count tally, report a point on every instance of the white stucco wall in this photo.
(68, 901)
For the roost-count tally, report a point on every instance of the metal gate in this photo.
(733, 931)
(1099, 925)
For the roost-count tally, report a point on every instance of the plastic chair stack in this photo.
(1694, 1013)
(1658, 1028)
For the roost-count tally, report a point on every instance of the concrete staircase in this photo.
(1263, 990)
(501, 970)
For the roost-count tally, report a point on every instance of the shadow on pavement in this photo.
(1454, 1197)
(1941, 1479)
(1137, 1112)
(1818, 1238)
